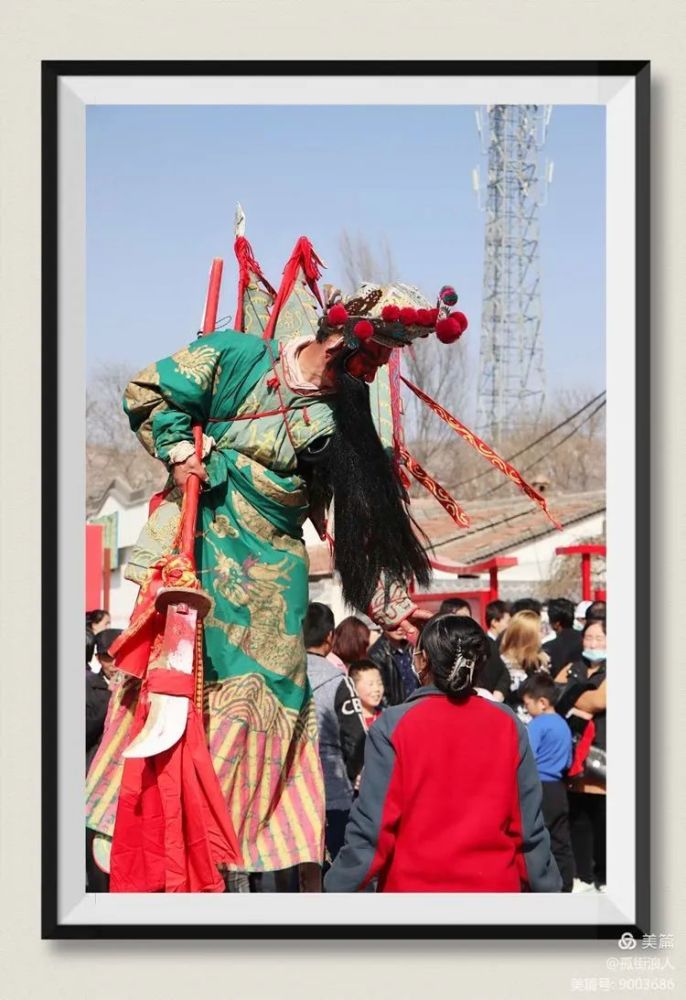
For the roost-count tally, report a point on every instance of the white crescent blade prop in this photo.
(164, 726)
(239, 221)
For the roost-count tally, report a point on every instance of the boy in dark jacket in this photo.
(325, 679)
(98, 691)
(358, 701)
(97, 703)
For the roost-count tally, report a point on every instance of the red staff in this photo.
(181, 599)
(192, 490)
(173, 832)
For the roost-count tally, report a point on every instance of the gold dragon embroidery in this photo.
(260, 587)
(142, 399)
(197, 364)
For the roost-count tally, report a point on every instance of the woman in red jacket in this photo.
(450, 799)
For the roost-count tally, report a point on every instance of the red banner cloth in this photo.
(172, 829)
(472, 439)
(448, 502)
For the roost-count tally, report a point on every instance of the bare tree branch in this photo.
(111, 448)
(361, 263)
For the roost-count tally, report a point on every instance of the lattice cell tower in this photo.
(511, 387)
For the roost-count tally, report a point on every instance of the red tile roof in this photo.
(498, 526)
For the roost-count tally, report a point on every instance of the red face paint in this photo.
(363, 363)
(366, 361)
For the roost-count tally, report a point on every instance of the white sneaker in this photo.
(579, 886)
(601, 888)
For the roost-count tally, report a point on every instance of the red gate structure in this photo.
(585, 551)
(97, 569)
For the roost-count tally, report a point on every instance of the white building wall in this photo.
(535, 561)
(123, 593)
(131, 519)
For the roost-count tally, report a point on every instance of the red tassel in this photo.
(396, 412)
(311, 262)
(247, 265)
(471, 438)
(303, 257)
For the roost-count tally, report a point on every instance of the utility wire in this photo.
(536, 461)
(521, 451)
(482, 527)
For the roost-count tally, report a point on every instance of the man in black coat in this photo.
(494, 675)
(98, 691)
(567, 645)
(392, 654)
(97, 703)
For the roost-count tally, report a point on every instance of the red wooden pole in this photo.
(493, 577)
(94, 572)
(586, 576)
(192, 493)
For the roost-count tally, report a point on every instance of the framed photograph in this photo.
(461, 250)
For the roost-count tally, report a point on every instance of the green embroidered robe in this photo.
(252, 561)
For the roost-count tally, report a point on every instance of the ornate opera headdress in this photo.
(392, 316)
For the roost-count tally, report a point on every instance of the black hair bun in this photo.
(456, 648)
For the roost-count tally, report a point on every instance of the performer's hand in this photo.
(408, 629)
(420, 617)
(191, 467)
(415, 623)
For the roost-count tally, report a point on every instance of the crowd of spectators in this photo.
(417, 788)
(545, 662)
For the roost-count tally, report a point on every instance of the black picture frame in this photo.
(52, 71)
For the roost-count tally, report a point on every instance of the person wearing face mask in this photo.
(583, 701)
(450, 799)
(580, 615)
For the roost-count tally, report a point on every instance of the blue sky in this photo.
(162, 183)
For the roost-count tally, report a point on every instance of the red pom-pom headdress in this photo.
(394, 316)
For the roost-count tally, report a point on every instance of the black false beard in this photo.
(376, 538)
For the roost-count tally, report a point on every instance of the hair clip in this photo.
(460, 662)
